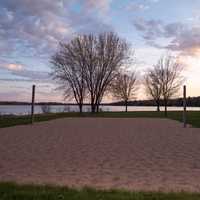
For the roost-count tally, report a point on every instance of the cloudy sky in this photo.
(30, 32)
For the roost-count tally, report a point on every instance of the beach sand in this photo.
(133, 154)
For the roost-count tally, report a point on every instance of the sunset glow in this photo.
(31, 30)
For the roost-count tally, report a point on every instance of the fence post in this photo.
(184, 107)
(32, 104)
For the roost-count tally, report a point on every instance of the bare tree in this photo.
(124, 86)
(153, 85)
(170, 78)
(103, 55)
(89, 62)
(68, 70)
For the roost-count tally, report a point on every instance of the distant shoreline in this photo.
(177, 102)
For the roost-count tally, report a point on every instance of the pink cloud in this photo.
(12, 66)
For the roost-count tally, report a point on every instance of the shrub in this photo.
(45, 108)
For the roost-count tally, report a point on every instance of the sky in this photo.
(31, 30)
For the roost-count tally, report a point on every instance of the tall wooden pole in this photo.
(184, 107)
(32, 104)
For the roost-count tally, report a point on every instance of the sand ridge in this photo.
(136, 154)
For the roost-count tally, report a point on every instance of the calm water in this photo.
(26, 109)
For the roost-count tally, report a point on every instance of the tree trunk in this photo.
(97, 108)
(158, 106)
(93, 108)
(93, 105)
(126, 105)
(80, 108)
(165, 104)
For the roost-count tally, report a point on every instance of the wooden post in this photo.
(32, 104)
(184, 107)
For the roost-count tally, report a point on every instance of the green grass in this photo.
(193, 117)
(11, 191)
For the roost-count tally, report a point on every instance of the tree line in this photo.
(90, 67)
(191, 102)
(176, 102)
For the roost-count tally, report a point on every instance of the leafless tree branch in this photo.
(124, 86)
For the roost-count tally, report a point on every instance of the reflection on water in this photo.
(26, 109)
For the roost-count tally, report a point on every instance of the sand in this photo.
(133, 154)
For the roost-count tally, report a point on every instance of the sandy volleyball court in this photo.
(139, 154)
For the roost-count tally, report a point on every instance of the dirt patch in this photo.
(136, 154)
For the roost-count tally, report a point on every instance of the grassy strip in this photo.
(193, 117)
(11, 191)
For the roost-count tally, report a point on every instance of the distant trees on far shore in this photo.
(90, 66)
(176, 102)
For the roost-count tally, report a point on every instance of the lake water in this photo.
(26, 109)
